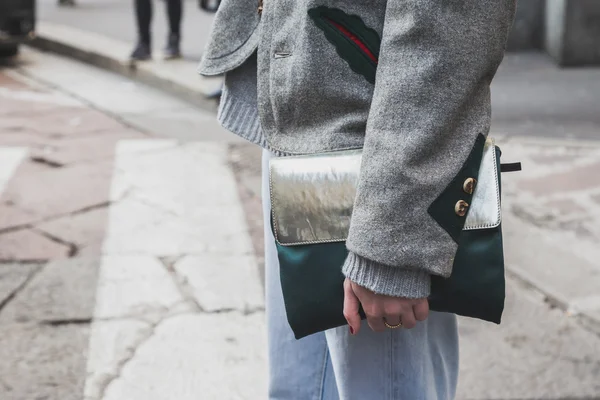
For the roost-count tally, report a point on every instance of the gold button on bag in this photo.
(260, 6)
(469, 185)
(461, 208)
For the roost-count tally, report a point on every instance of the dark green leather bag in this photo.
(310, 199)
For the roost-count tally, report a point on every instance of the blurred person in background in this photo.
(143, 13)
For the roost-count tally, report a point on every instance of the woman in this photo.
(408, 81)
(143, 14)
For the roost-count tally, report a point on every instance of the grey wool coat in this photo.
(407, 80)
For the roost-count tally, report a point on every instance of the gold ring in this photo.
(392, 326)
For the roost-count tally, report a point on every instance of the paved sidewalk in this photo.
(552, 220)
(116, 247)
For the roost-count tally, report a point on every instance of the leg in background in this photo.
(143, 14)
(174, 12)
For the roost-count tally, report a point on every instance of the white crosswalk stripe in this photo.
(167, 285)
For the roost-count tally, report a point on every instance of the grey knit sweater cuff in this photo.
(383, 279)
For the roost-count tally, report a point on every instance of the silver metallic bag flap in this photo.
(312, 196)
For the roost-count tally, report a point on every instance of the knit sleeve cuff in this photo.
(383, 279)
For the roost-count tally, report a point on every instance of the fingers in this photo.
(351, 305)
(376, 323)
(421, 310)
(389, 311)
(381, 309)
(418, 311)
(397, 311)
(393, 313)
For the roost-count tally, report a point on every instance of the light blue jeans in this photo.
(416, 364)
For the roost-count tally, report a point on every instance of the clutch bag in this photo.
(312, 198)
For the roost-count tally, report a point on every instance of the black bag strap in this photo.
(511, 167)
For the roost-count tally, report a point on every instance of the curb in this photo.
(178, 77)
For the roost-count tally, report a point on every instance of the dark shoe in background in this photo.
(141, 52)
(172, 50)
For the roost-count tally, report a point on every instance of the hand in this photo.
(378, 307)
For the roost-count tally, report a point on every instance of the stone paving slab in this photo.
(51, 181)
(183, 126)
(173, 206)
(144, 225)
(245, 161)
(550, 207)
(21, 96)
(15, 137)
(29, 245)
(85, 230)
(209, 276)
(59, 191)
(12, 277)
(13, 107)
(63, 291)
(134, 286)
(14, 216)
(112, 344)
(85, 149)
(63, 122)
(42, 362)
(535, 353)
(166, 206)
(32, 94)
(142, 175)
(546, 261)
(8, 83)
(220, 356)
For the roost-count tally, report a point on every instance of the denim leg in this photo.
(400, 364)
(298, 369)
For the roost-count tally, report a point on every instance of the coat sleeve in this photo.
(430, 109)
